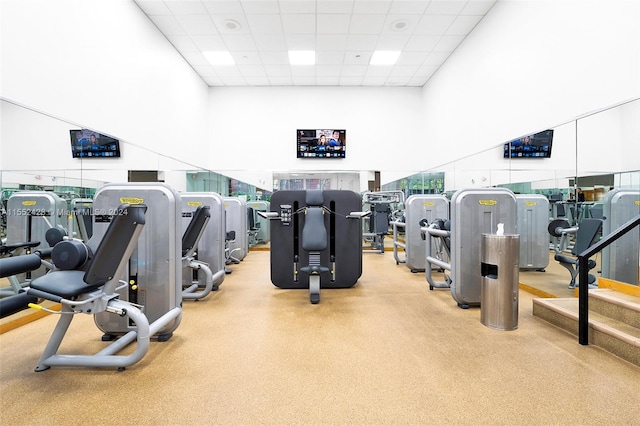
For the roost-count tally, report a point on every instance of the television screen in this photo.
(86, 143)
(537, 145)
(314, 143)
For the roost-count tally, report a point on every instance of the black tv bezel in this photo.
(513, 152)
(77, 151)
(329, 154)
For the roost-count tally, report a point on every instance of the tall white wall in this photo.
(101, 65)
(254, 128)
(530, 65)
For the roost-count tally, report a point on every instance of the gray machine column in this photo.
(621, 259)
(532, 222)
(211, 245)
(236, 220)
(30, 214)
(154, 276)
(418, 207)
(474, 212)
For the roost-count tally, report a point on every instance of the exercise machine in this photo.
(154, 274)
(35, 216)
(82, 218)
(316, 239)
(13, 270)
(376, 225)
(197, 278)
(261, 225)
(18, 299)
(532, 222)
(437, 235)
(474, 212)
(620, 260)
(236, 228)
(86, 281)
(208, 251)
(420, 211)
(583, 237)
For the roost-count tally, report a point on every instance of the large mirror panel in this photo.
(596, 152)
(591, 155)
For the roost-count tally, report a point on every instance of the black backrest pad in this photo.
(114, 243)
(191, 234)
(314, 197)
(314, 233)
(586, 235)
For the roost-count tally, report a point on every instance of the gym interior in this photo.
(450, 238)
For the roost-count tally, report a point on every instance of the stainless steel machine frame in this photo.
(82, 218)
(155, 268)
(418, 207)
(236, 220)
(376, 225)
(532, 222)
(30, 214)
(620, 261)
(211, 246)
(474, 212)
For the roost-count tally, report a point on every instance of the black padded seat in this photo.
(69, 284)
(585, 237)
(63, 284)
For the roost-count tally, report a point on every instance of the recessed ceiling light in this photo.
(219, 57)
(399, 25)
(231, 25)
(302, 57)
(384, 57)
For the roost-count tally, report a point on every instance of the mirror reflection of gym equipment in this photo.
(257, 226)
(620, 260)
(532, 212)
(376, 226)
(31, 217)
(236, 229)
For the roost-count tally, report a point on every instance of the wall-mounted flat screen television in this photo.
(537, 145)
(87, 143)
(322, 143)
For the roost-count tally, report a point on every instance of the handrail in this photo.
(583, 277)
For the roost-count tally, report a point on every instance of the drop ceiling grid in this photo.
(344, 34)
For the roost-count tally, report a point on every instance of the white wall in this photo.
(528, 66)
(254, 128)
(102, 65)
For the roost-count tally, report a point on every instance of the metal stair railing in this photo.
(583, 276)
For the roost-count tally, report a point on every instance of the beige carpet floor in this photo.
(385, 352)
